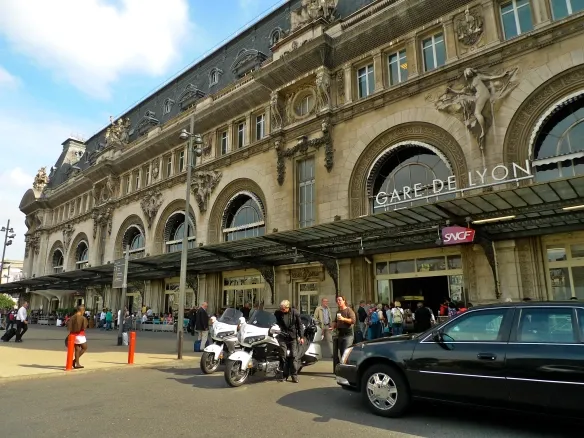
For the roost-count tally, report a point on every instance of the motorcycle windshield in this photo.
(263, 319)
(230, 316)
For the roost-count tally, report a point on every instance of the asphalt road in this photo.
(180, 402)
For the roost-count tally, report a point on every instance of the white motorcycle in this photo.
(260, 349)
(223, 332)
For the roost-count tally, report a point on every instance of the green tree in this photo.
(6, 302)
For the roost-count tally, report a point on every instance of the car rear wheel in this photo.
(385, 391)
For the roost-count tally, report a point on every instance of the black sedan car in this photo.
(526, 356)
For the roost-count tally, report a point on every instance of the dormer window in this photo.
(168, 103)
(214, 76)
(275, 36)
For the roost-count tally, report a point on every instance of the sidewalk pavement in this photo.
(43, 352)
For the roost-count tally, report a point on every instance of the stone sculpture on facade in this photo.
(341, 87)
(202, 186)
(67, 235)
(207, 144)
(150, 205)
(469, 103)
(40, 180)
(469, 28)
(110, 189)
(310, 10)
(102, 218)
(323, 87)
(276, 115)
(155, 168)
(118, 133)
(32, 243)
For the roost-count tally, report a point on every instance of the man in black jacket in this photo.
(202, 325)
(290, 338)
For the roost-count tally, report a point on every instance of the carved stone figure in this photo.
(102, 217)
(96, 193)
(40, 180)
(290, 118)
(150, 205)
(275, 112)
(207, 144)
(469, 28)
(341, 87)
(469, 103)
(202, 186)
(310, 10)
(110, 188)
(155, 168)
(67, 235)
(323, 87)
(32, 221)
(32, 243)
(118, 133)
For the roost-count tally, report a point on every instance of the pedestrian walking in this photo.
(21, 322)
(202, 325)
(344, 329)
(290, 339)
(397, 319)
(77, 325)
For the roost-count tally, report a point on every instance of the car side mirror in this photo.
(437, 337)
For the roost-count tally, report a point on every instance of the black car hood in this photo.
(400, 338)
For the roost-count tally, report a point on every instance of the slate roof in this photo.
(256, 37)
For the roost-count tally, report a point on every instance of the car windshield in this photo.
(230, 316)
(263, 319)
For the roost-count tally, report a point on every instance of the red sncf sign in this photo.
(456, 235)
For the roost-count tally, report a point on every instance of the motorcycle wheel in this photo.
(208, 363)
(234, 376)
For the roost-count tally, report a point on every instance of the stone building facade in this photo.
(325, 116)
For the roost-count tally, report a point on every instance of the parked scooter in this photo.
(260, 349)
(223, 332)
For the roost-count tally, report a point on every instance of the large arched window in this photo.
(405, 175)
(81, 255)
(243, 218)
(58, 261)
(134, 239)
(174, 232)
(558, 150)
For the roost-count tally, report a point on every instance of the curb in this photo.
(172, 363)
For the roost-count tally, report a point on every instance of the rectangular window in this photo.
(434, 52)
(260, 126)
(398, 68)
(136, 180)
(241, 135)
(224, 143)
(168, 167)
(516, 18)
(366, 81)
(563, 8)
(180, 161)
(145, 176)
(127, 186)
(546, 325)
(306, 198)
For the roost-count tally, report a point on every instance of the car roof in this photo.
(569, 303)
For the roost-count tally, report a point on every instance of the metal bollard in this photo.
(70, 353)
(131, 348)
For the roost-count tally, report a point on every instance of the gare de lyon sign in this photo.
(455, 235)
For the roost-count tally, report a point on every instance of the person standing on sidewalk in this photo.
(77, 326)
(202, 325)
(21, 322)
(322, 315)
(344, 326)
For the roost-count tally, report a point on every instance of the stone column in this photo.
(412, 58)
(249, 119)
(379, 71)
(348, 76)
(450, 40)
(490, 20)
(541, 14)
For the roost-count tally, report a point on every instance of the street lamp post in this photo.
(198, 141)
(7, 242)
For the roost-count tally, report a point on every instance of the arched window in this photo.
(81, 255)
(168, 103)
(558, 150)
(275, 36)
(405, 175)
(58, 261)
(134, 238)
(243, 218)
(174, 232)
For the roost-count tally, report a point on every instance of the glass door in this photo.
(307, 298)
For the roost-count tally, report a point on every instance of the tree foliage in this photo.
(6, 302)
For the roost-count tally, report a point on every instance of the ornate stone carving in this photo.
(323, 87)
(302, 146)
(340, 87)
(118, 133)
(40, 180)
(305, 274)
(474, 103)
(102, 217)
(311, 10)
(424, 132)
(68, 231)
(155, 168)
(193, 283)
(270, 277)
(207, 144)
(32, 221)
(150, 204)
(202, 186)
(276, 122)
(469, 27)
(32, 243)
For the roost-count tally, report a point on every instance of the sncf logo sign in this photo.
(457, 235)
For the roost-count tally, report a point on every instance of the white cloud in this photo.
(91, 43)
(7, 80)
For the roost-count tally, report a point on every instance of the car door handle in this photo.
(486, 356)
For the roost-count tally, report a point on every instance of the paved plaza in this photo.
(43, 352)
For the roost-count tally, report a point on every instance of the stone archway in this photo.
(178, 205)
(132, 220)
(422, 132)
(223, 200)
(72, 253)
(529, 113)
(57, 246)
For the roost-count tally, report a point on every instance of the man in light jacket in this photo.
(322, 315)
